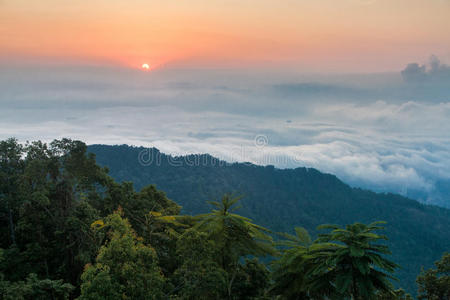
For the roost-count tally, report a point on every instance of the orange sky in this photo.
(322, 35)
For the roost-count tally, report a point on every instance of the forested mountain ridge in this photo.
(282, 199)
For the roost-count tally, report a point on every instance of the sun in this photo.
(145, 67)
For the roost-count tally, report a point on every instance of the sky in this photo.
(320, 35)
(356, 88)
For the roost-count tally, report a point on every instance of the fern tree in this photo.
(357, 264)
(297, 274)
(199, 276)
(234, 236)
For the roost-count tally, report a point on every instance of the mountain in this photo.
(283, 198)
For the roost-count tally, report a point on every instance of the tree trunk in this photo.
(230, 283)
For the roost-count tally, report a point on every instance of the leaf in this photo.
(156, 213)
(343, 282)
(363, 267)
(327, 226)
(356, 252)
(98, 224)
(303, 235)
(167, 218)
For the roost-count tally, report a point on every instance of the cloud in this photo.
(382, 146)
(436, 72)
(315, 89)
(414, 73)
(336, 124)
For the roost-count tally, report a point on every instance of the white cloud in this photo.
(387, 145)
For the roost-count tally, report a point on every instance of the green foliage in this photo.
(252, 280)
(49, 196)
(69, 230)
(48, 209)
(283, 199)
(234, 237)
(137, 208)
(297, 273)
(399, 294)
(356, 262)
(434, 284)
(34, 289)
(125, 268)
(344, 263)
(11, 169)
(198, 276)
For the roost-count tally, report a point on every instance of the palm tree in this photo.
(357, 264)
(234, 236)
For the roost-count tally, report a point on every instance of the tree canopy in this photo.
(71, 231)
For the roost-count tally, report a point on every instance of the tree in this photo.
(35, 289)
(49, 196)
(298, 274)
(399, 294)
(199, 276)
(252, 280)
(434, 284)
(58, 184)
(45, 211)
(11, 170)
(142, 209)
(234, 236)
(356, 263)
(125, 268)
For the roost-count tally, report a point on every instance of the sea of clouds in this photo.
(388, 132)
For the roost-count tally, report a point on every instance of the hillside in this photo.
(281, 199)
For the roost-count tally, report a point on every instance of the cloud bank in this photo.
(436, 72)
(372, 131)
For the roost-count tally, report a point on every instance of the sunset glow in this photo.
(318, 35)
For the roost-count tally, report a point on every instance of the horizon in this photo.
(324, 36)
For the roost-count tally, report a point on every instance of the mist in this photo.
(388, 132)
